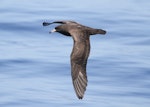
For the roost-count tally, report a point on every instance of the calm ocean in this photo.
(35, 65)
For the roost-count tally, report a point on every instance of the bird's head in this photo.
(61, 29)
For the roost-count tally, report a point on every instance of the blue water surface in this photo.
(35, 65)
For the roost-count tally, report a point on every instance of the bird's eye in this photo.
(56, 28)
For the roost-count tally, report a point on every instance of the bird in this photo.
(80, 52)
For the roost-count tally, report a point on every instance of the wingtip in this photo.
(80, 97)
(46, 23)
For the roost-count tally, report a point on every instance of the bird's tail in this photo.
(101, 31)
(97, 31)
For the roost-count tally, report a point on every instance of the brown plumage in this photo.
(81, 49)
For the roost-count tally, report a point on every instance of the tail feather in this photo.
(100, 31)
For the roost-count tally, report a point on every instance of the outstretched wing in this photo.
(59, 22)
(79, 58)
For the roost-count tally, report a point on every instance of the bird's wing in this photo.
(59, 22)
(64, 22)
(79, 58)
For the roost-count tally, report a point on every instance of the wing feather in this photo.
(79, 58)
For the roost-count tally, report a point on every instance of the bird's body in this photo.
(81, 49)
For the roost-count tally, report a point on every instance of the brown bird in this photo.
(81, 49)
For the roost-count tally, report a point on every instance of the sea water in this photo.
(35, 65)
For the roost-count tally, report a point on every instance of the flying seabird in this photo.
(80, 52)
